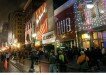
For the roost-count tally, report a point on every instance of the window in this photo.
(61, 24)
(19, 23)
(64, 26)
(19, 31)
(99, 35)
(58, 28)
(68, 25)
(95, 35)
(29, 25)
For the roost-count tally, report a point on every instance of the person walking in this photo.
(52, 60)
(104, 56)
(103, 51)
(61, 62)
(33, 58)
(83, 62)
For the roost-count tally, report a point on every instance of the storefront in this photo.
(93, 39)
(65, 25)
(91, 23)
(48, 41)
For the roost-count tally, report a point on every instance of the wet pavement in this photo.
(42, 67)
(10, 68)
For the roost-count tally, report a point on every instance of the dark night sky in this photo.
(7, 6)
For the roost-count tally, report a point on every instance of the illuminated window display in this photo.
(90, 18)
(86, 40)
(104, 38)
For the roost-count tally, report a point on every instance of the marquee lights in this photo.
(90, 6)
(93, 22)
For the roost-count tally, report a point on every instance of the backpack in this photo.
(84, 65)
(83, 61)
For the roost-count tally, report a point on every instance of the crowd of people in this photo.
(4, 60)
(87, 59)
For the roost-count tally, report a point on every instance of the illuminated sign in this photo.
(48, 38)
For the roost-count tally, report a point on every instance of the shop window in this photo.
(104, 39)
(104, 34)
(95, 35)
(104, 43)
(85, 36)
(99, 35)
(96, 43)
(86, 44)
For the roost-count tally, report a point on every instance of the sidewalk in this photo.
(42, 67)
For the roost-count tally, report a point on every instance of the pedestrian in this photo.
(104, 56)
(52, 60)
(97, 57)
(61, 62)
(33, 58)
(103, 51)
(3, 57)
(88, 54)
(37, 57)
(83, 62)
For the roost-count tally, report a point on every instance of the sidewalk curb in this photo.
(23, 70)
(16, 66)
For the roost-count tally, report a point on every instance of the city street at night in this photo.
(52, 36)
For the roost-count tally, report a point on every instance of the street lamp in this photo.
(34, 35)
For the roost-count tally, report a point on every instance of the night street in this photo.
(52, 36)
(41, 67)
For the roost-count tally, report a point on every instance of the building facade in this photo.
(4, 36)
(65, 25)
(41, 26)
(17, 23)
(91, 23)
(30, 8)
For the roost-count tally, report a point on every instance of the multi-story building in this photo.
(0, 40)
(30, 7)
(42, 24)
(65, 25)
(0, 36)
(17, 24)
(4, 33)
(91, 22)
